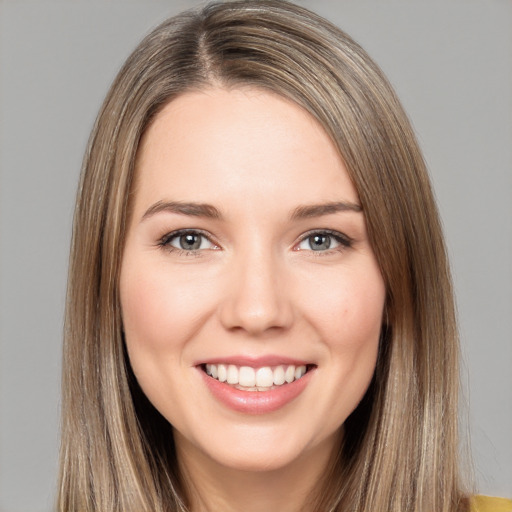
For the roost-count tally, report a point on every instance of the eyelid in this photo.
(344, 240)
(164, 241)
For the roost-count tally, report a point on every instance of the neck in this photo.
(212, 487)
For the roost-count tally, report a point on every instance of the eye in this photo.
(187, 240)
(323, 241)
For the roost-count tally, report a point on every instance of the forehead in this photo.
(223, 145)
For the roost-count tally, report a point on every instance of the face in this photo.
(251, 299)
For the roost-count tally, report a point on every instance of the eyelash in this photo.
(345, 241)
(165, 241)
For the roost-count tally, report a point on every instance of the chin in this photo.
(264, 450)
(257, 462)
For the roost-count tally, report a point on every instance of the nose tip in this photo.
(256, 300)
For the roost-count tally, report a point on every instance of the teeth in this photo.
(289, 374)
(264, 377)
(222, 373)
(255, 379)
(246, 377)
(279, 376)
(300, 371)
(232, 377)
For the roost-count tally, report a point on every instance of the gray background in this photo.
(451, 63)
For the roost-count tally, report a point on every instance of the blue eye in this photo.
(186, 240)
(322, 241)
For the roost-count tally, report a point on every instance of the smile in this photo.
(256, 387)
(248, 378)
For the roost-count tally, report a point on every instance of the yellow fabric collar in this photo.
(490, 504)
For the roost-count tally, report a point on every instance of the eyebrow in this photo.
(317, 210)
(210, 212)
(190, 209)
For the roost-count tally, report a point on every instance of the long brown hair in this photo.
(400, 445)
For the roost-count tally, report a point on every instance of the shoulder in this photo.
(489, 504)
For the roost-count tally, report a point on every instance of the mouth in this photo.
(264, 378)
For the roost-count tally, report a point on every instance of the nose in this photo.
(256, 298)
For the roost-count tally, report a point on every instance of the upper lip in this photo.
(255, 362)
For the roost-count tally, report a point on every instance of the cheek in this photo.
(145, 310)
(349, 319)
(349, 310)
(161, 312)
(160, 308)
(147, 328)
(348, 316)
(360, 321)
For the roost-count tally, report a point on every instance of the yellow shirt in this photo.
(488, 504)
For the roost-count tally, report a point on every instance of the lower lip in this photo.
(256, 402)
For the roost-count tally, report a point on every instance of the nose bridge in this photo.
(256, 298)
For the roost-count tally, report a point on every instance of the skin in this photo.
(254, 287)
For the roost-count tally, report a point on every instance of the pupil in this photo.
(320, 242)
(190, 242)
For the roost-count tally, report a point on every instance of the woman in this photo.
(260, 312)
